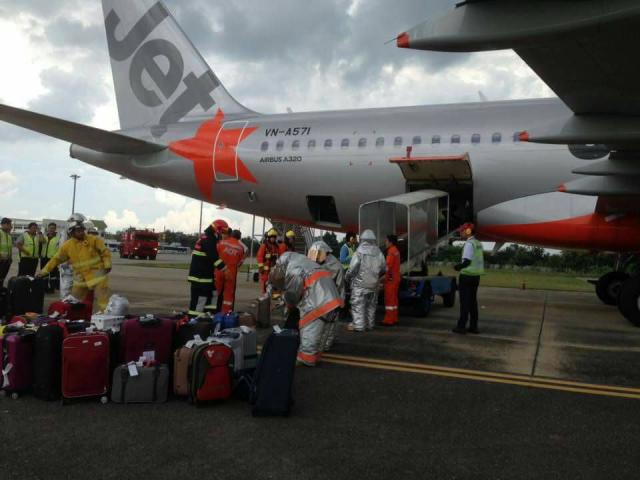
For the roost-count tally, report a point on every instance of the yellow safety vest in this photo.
(30, 244)
(476, 268)
(6, 245)
(50, 247)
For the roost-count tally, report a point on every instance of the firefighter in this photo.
(471, 269)
(204, 260)
(50, 246)
(6, 249)
(90, 260)
(391, 282)
(231, 252)
(309, 288)
(267, 257)
(289, 243)
(29, 248)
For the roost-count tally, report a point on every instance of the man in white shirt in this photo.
(471, 269)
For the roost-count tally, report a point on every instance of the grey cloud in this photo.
(63, 32)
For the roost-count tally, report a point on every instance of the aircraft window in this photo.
(311, 145)
(265, 146)
(362, 143)
(397, 142)
(280, 145)
(516, 137)
(295, 145)
(455, 138)
(344, 143)
(417, 140)
(496, 138)
(380, 142)
(328, 143)
(475, 138)
(435, 140)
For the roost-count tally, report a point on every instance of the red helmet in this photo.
(467, 228)
(220, 225)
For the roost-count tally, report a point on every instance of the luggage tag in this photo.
(216, 330)
(5, 375)
(133, 369)
(149, 356)
(55, 315)
(245, 329)
(277, 329)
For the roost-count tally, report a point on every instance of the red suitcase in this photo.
(16, 361)
(146, 334)
(85, 365)
(71, 311)
(211, 373)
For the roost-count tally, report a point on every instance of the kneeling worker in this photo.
(90, 259)
(471, 269)
(309, 288)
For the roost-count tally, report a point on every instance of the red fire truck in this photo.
(139, 243)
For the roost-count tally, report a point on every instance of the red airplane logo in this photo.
(200, 150)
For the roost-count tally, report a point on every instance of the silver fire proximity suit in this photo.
(310, 288)
(325, 259)
(367, 266)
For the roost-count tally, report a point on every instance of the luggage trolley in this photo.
(420, 220)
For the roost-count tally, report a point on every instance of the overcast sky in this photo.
(270, 54)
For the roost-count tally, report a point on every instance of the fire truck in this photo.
(139, 243)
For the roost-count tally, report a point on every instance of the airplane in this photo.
(559, 172)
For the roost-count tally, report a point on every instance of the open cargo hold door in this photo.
(418, 218)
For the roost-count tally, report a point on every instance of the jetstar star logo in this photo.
(221, 158)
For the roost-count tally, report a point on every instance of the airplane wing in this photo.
(83, 135)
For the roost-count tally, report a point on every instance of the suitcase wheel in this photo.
(15, 396)
(104, 400)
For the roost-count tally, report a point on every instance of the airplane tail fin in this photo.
(159, 76)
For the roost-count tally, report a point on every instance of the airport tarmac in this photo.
(549, 389)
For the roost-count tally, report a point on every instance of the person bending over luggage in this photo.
(310, 288)
(320, 253)
(90, 260)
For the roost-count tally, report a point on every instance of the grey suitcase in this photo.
(263, 316)
(151, 385)
(249, 358)
(232, 338)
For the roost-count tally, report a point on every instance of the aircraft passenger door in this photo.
(225, 151)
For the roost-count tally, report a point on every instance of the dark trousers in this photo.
(27, 266)
(53, 280)
(468, 290)
(201, 297)
(5, 265)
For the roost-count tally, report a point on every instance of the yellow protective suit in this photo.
(90, 260)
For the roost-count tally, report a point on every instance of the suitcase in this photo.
(150, 385)
(107, 322)
(264, 312)
(4, 303)
(226, 320)
(233, 340)
(26, 295)
(273, 381)
(71, 311)
(182, 359)
(211, 373)
(85, 366)
(75, 326)
(16, 360)
(147, 334)
(247, 319)
(47, 361)
(247, 359)
(202, 326)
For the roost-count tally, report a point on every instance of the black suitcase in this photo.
(186, 332)
(26, 295)
(273, 380)
(47, 362)
(4, 303)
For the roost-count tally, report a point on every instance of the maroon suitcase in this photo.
(72, 311)
(140, 335)
(16, 361)
(85, 365)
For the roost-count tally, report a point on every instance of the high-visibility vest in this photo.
(6, 245)
(50, 247)
(31, 245)
(352, 252)
(476, 268)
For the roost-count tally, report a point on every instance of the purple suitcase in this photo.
(16, 361)
(139, 335)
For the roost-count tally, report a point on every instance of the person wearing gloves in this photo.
(90, 260)
(365, 270)
(320, 253)
(267, 256)
(309, 288)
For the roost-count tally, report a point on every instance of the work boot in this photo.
(459, 330)
(352, 328)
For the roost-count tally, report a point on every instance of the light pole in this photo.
(73, 204)
(201, 207)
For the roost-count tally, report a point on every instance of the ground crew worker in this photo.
(471, 269)
(48, 250)
(231, 252)
(204, 261)
(364, 274)
(348, 249)
(309, 288)
(237, 234)
(391, 282)
(320, 253)
(29, 247)
(6, 249)
(267, 257)
(90, 260)
(289, 244)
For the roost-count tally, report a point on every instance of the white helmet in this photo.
(319, 251)
(368, 236)
(76, 221)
